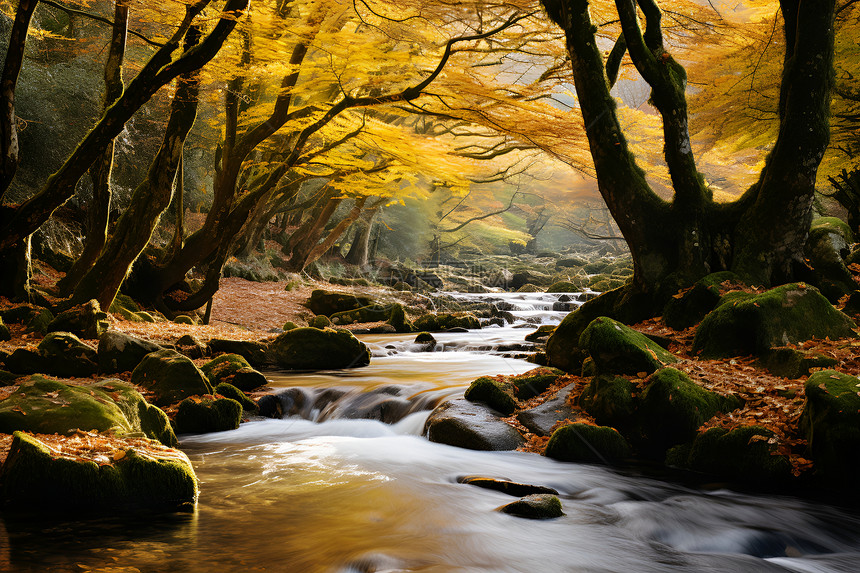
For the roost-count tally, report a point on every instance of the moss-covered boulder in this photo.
(753, 323)
(543, 332)
(233, 369)
(534, 506)
(202, 414)
(315, 349)
(582, 442)
(50, 406)
(791, 362)
(230, 391)
(466, 425)
(827, 246)
(35, 477)
(190, 346)
(618, 349)
(170, 376)
(58, 354)
(543, 418)
(86, 320)
(371, 313)
(40, 322)
(610, 400)
(398, 319)
(496, 394)
(690, 307)
(830, 422)
(672, 408)
(4, 332)
(289, 325)
(252, 351)
(328, 303)
(564, 287)
(320, 322)
(446, 321)
(747, 454)
(534, 382)
(119, 352)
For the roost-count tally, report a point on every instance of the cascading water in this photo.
(346, 484)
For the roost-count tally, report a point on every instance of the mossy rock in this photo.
(793, 363)
(233, 369)
(289, 325)
(672, 408)
(123, 302)
(320, 322)
(86, 320)
(534, 382)
(497, 395)
(119, 352)
(534, 506)
(610, 400)
(529, 287)
(144, 316)
(830, 422)
(827, 247)
(184, 319)
(464, 424)
(254, 352)
(563, 287)
(51, 407)
(543, 331)
(618, 349)
(397, 318)
(445, 321)
(587, 443)
(571, 262)
(40, 322)
(33, 477)
(58, 354)
(4, 332)
(373, 313)
(9, 378)
(747, 454)
(315, 349)
(230, 391)
(170, 376)
(596, 267)
(327, 303)
(199, 415)
(752, 324)
(694, 304)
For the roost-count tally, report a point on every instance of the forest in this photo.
(626, 230)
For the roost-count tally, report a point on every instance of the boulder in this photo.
(445, 321)
(229, 391)
(315, 349)
(426, 340)
(123, 475)
(233, 369)
(541, 420)
(86, 320)
(397, 318)
(542, 333)
(328, 303)
(190, 346)
(466, 425)
(672, 408)
(692, 305)
(371, 313)
(496, 394)
(513, 488)
(564, 287)
(830, 422)
(58, 354)
(40, 322)
(791, 362)
(534, 382)
(618, 349)
(535, 506)
(170, 376)
(4, 332)
(320, 322)
(747, 454)
(609, 399)
(202, 414)
(49, 406)
(753, 323)
(827, 246)
(120, 352)
(582, 442)
(253, 352)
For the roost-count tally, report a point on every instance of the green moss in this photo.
(832, 225)
(534, 382)
(424, 338)
(141, 415)
(315, 349)
(610, 400)
(543, 331)
(40, 322)
(673, 407)
(564, 287)
(4, 332)
(289, 325)
(170, 376)
(33, 478)
(233, 369)
(145, 316)
(793, 363)
(752, 324)
(529, 287)
(618, 349)
(184, 319)
(123, 302)
(746, 454)
(444, 321)
(328, 303)
(201, 415)
(497, 395)
(397, 318)
(698, 301)
(320, 322)
(586, 443)
(85, 320)
(230, 391)
(373, 313)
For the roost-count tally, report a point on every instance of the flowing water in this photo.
(334, 489)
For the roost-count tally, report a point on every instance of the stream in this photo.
(331, 488)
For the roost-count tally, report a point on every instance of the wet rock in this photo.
(751, 324)
(199, 415)
(529, 287)
(672, 407)
(376, 405)
(86, 320)
(426, 341)
(120, 352)
(498, 394)
(543, 332)
(40, 322)
(398, 320)
(610, 400)
(447, 322)
(327, 303)
(618, 349)
(534, 382)
(230, 391)
(535, 506)
(560, 306)
(35, 477)
(582, 442)
(466, 425)
(513, 488)
(564, 286)
(541, 419)
(830, 422)
(315, 349)
(253, 352)
(170, 376)
(320, 322)
(270, 406)
(233, 369)
(371, 313)
(692, 306)
(191, 347)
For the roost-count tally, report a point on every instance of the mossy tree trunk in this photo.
(673, 243)
(149, 200)
(98, 212)
(359, 251)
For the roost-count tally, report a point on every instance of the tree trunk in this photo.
(100, 172)
(309, 235)
(336, 233)
(359, 251)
